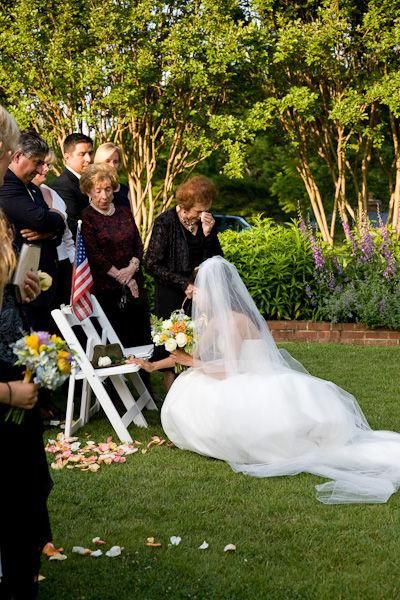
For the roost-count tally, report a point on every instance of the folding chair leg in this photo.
(133, 411)
(142, 390)
(110, 410)
(69, 417)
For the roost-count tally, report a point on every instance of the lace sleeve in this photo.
(156, 257)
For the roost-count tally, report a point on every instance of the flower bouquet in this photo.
(175, 332)
(46, 358)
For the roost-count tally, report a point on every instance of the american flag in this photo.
(82, 281)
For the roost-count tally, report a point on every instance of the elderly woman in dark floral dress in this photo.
(114, 251)
(182, 238)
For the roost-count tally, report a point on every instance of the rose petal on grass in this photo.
(114, 551)
(203, 546)
(81, 550)
(175, 540)
(94, 467)
(98, 541)
(58, 556)
(152, 544)
(230, 548)
(40, 578)
(96, 553)
(49, 549)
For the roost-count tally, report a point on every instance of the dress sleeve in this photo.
(137, 241)
(156, 257)
(212, 246)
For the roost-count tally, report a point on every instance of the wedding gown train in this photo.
(268, 417)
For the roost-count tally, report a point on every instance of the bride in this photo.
(252, 405)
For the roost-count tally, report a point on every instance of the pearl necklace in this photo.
(107, 213)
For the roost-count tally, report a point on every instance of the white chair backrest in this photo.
(97, 329)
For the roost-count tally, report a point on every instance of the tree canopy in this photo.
(305, 91)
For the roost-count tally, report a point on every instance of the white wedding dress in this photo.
(258, 410)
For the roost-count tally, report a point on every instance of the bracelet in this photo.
(134, 262)
(9, 393)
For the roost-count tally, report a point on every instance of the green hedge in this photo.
(276, 264)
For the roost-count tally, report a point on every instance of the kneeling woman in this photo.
(246, 402)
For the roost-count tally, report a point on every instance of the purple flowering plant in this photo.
(359, 280)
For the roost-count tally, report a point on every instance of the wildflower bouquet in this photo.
(175, 332)
(47, 358)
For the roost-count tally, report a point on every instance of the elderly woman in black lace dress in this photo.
(182, 238)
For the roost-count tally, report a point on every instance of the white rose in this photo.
(181, 339)
(104, 361)
(167, 324)
(170, 345)
(156, 338)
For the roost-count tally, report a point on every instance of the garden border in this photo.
(338, 333)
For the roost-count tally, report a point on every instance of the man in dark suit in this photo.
(33, 221)
(78, 154)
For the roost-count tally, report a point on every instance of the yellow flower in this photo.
(42, 347)
(163, 338)
(32, 341)
(56, 339)
(62, 354)
(63, 366)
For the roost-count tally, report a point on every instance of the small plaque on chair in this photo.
(111, 351)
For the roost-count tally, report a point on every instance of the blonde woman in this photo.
(111, 154)
(25, 479)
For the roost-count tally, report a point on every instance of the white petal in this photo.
(230, 548)
(96, 553)
(175, 540)
(80, 550)
(58, 556)
(114, 551)
(203, 546)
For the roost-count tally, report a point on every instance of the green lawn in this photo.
(289, 546)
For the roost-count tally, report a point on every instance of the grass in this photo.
(289, 546)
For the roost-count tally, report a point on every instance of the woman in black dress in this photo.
(182, 238)
(25, 479)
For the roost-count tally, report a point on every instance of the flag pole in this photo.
(78, 232)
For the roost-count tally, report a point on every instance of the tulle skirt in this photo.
(284, 423)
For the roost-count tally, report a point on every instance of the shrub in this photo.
(275, 262)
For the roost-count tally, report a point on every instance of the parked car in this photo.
(234, 222)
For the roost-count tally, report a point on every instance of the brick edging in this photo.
(339, 333)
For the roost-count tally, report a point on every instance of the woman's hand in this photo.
(146, 365)
(31, 286)
(133, 288)
(189, 291)
(183, 358)
(126, 274)
(207, 222)
(23, 395)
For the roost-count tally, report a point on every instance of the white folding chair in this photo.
(93, 379)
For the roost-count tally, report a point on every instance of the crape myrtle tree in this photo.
(168, 81)
(331, 86)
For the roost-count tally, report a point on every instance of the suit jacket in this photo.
(67, 186)
(25, 208)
